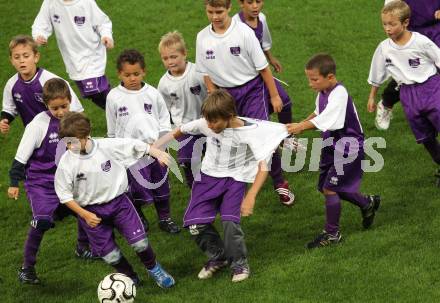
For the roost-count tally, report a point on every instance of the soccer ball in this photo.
(116, 288)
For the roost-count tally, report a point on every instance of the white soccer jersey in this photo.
(139, 114)
(79, 26)
(36, 86)
(230, 59)
(411, 63)
(99, 176)
(183, 95)
(235, 152)
(266, 40)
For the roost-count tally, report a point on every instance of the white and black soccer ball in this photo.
(116, 288)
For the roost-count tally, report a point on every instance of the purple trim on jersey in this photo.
(251, 99)
(41, 167)
(154, 173)
(92, 86)
(211, 195)
(28, 97)
(421, 104)
(422, 13)
(352, 126)
(118, 213)
(258, 30)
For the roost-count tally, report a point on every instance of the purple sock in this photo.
(100, 98)
(188, 174)
(83, 240)
(285, 116)
(356, 198)
(124, 267)
(31, 247)
(433, 148)
(333, 213)
(275, 169)
(163, 208)
(148, 257)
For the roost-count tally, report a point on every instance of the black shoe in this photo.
(136, 280)
(324, 239)
(369, 211)
(169, 226)
(28, 276)
(86, 254)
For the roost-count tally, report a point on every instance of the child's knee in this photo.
(42, 224)
(140, 246)
(113, 257)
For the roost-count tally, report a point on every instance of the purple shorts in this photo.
(251, 99)
(210, 196)
(119, 213)
(93, 86)
(337, 176)
(421, 103)
(148, 181)
(190, 148)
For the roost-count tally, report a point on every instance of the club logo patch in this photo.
(235, 50)
(414, 63)
(106, 166)
(210, 54)
(147, 107)
(195, 90)
(79, 20)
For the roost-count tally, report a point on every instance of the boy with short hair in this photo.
(250, 14)
(183, 90)
(237, 150)
(91, 180)
(137, 110)
(425, 19)
(23, 92)
(230, 57)
(412, 60)
(342, 153)
(83, 34)
(35, 163)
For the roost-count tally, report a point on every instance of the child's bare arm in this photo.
(275, 99)
(273, 61)
(371, 105)
(247, 206)
(210, 86)
(91, 219)
(297, 128)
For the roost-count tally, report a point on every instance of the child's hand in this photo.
(276, 65)
(247, 205)
(294, 128)
(91, 219)
(108, 42)
(13, 192)
(4, 126)
(41, 40)
(437, 14)
(277, 104)
(163, 157)
(371, 105)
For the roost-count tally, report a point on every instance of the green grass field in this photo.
(395, 261)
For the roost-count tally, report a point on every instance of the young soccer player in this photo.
(35, 163)
(137, 110)
(230, 56)
(251, 15)
(340, 166)
(183, 90)
(91, 180)
(412, 60)
(83, 33)
(23, 92)
(237, 150)
(425, 15)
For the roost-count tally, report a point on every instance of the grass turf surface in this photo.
(395, 261)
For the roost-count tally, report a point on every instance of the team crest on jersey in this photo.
(79, 20)
(414, 63)
(56, 18)
(195, 90)
(53, 138)
(106, 166)
(210, 54)
(122, 111)
(38, 97)
(334, 180)
(235, 50)
(81, 177)
(17, 98)
(147, 107)
(388, 62)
